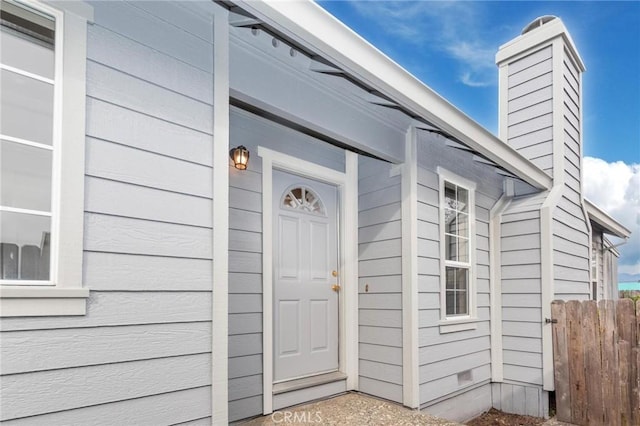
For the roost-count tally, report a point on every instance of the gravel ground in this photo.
(350, 409)
(354, 409)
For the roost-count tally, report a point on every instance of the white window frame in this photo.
(459, 322)
(63, 294)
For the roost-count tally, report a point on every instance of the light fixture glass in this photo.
(240, 157)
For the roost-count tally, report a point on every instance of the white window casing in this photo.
(62, 293)
(466, 320)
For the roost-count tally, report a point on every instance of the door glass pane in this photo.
(26, 110)
(25, 176)
(25, 246)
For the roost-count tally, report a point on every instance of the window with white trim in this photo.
(42, 76)
(457, 216)
(27, 145)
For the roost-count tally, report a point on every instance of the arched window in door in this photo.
(303, 199)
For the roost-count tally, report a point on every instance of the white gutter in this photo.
(609, 224)
(318, 31)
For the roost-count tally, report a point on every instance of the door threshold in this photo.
(307, 382)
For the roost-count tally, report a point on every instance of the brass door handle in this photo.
(335, 288)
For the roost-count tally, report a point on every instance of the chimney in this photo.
(540, 75)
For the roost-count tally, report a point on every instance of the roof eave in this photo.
(606, 222)
(319, 31)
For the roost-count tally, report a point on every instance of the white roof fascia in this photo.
(320, 32)
(609, 224)
(608, 245)
(530, 40)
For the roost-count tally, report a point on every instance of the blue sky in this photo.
(451, 46)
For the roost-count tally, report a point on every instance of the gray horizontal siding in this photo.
(380, 271)
(521, 290)
(165, 408)
(530, 108)
(245, 295)
(571, 239)
(443, 356)
(147, 238)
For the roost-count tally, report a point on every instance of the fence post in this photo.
(561, 361)
(592, 362)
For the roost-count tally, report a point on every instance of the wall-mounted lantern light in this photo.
(240, 157)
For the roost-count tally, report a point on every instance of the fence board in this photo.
(561, 361)
(611, 391)
(593, 363)
(597, 362)
(576, 365)
(635, 382)
(625, 316)
(638, 323)
(624, 357)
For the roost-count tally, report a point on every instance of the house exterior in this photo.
(379, 240)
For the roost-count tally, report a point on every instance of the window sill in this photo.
(453, 325)
(23, 301)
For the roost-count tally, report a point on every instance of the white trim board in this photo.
(410, 356)
(220, 206)
(495, 297)
(347, 184)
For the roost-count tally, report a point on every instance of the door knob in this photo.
(334, 273)
(335, 288)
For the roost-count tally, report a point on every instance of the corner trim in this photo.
(547, 288)
(495, 296)
(410, 312)
(220, 208)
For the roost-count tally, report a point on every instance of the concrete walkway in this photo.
(351, 409)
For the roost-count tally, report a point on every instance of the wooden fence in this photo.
(596, 352)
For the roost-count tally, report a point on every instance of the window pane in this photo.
(26, 110)
(463, 199)
(450, 247)
(456, 293)
(462, 225)
(26, 53)
(25, 176)
(463, 250)
(451, 278)
(462, 292)
(25, 246)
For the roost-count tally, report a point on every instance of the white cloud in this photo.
(615, 188)
(452, 27)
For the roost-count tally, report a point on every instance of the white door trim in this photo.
(347, 184)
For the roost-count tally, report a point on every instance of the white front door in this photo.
(305, 269)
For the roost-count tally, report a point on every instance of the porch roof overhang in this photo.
(608, 224)
(318, 31)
